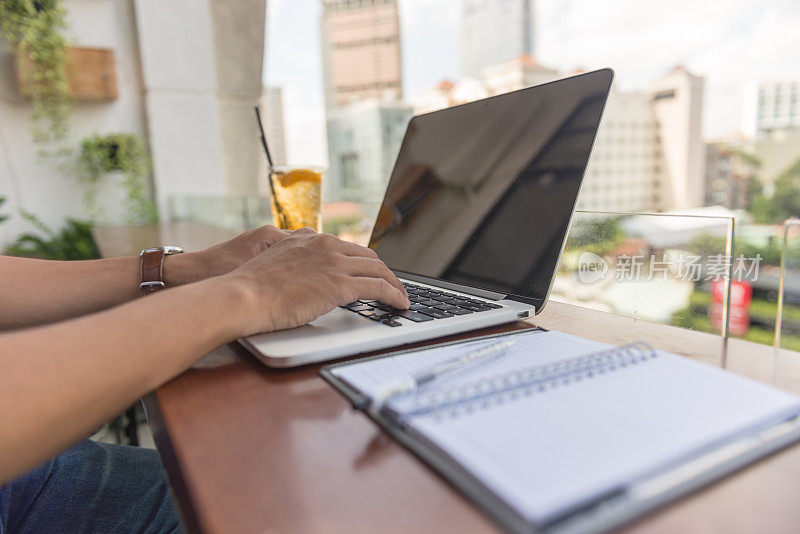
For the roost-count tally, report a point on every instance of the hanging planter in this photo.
(90, 74)
(35, 30)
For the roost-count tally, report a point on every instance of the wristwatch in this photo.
(152, 267)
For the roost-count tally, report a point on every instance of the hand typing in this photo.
(306, 274)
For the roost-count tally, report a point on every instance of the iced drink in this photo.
(296, 197)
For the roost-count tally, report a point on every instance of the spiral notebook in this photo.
(563, 433)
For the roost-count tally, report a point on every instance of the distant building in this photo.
(360, 51)
(495, 31)
(776, 151)
(626, 169)
(520, 72)
(437, 97)
(271, 104)
(649, 154)
(729, 171)
(363, 141)
(363, 83)
(778, 107)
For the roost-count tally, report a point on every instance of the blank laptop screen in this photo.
(482, 193)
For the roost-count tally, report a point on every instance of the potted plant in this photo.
(120, 153)
(73, 242)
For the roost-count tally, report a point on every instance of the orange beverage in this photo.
(296, 197)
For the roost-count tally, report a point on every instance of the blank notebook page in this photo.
(548, 452)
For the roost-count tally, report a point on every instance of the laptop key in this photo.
(392, 323)
(360, 308)
(413, 316)
(429, 302)
(445, 307)
(436, 314)
(492, 305)
(474, 307)
(460, 311)
(416, 306)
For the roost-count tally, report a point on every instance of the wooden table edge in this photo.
(179, 489)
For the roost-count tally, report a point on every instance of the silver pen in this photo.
(411, 383)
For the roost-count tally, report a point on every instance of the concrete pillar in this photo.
(239, 51)
(202, 64)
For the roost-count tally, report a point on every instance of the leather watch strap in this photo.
(152, 262)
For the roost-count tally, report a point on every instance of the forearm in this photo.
(39, 291)
(60, 381)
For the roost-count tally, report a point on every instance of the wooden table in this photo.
(250, 449)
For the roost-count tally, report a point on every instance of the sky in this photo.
(733, 44)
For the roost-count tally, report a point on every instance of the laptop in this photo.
(473, 221)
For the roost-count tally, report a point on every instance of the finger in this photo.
(367, 288)
(304, 231)
(271, 234)
(353, 249)
(372, 267)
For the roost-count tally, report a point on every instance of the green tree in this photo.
(707, 245)
(785, 200)
(787, 192)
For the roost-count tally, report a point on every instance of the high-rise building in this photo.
(363, 87)
(649, 153)
(363, 141)
(778, 107)
(360, 51)
(729, 171)
(495, 31)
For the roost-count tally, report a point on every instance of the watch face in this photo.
(168, 250)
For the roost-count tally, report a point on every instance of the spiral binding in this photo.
(525, 382)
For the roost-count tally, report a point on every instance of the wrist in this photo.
(230, 294)
(180, 269)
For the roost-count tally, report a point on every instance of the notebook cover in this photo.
(603, 516)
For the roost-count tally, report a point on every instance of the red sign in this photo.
(741, 295)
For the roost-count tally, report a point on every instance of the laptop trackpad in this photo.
(334, 329)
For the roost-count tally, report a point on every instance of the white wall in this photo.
(36, 185)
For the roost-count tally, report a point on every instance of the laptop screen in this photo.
(482, 194)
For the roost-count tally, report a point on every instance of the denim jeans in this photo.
(92, 487)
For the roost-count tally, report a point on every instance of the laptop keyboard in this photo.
(426, 305)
